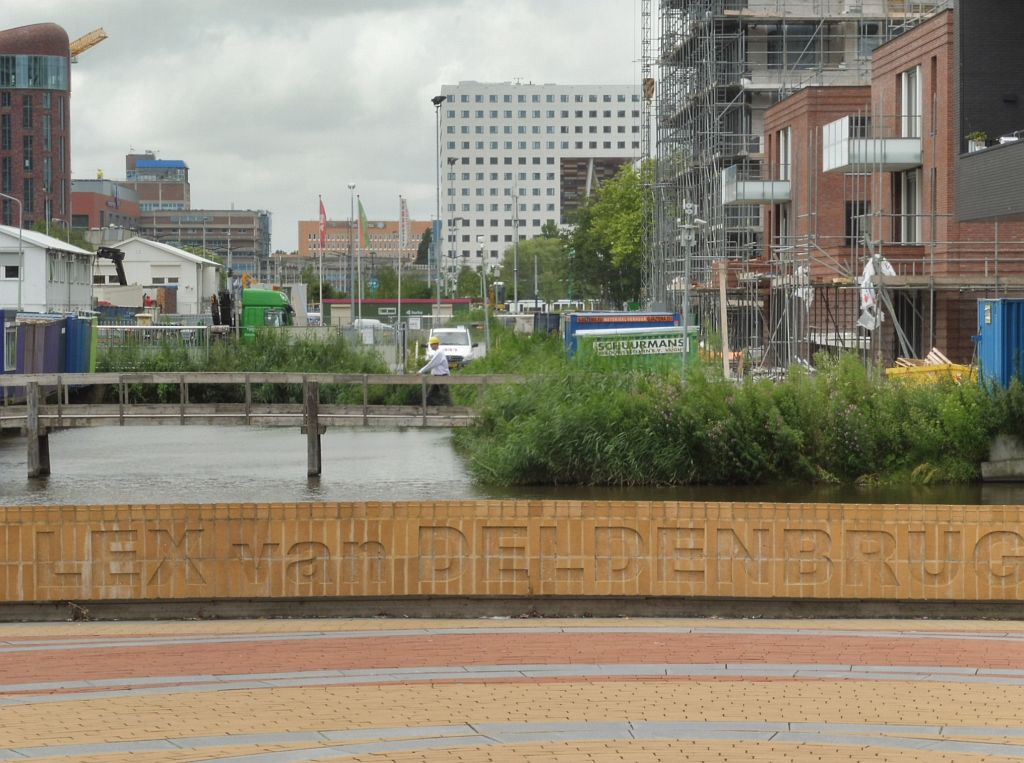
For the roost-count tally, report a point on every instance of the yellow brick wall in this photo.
(512, 548)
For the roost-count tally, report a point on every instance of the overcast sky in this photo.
(272, 102)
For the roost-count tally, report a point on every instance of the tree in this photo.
(423, 249)
(607, 241)
(73, 236)
(311, 277)
(208, 254)
(551, 258)
(468, 283)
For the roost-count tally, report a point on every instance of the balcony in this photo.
(856, 144)
(740, 188)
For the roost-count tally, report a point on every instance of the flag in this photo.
(364, 232)
(323, 224)
(403, 224)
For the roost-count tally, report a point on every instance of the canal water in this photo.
(132, 465)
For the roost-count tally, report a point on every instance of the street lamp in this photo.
(21, 247)
(483, 286)
(515, 244)
(437, 100)
(687, 240)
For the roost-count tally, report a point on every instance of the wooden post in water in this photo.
(311, 414)
(38, 439)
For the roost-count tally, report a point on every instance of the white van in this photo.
(456, 344)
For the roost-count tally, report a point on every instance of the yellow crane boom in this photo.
(86, 41)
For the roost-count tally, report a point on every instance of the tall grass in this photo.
(272, 351)
(596, 423)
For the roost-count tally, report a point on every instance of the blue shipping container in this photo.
(614, 320)
(1000, 340)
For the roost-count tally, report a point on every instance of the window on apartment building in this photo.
(907, 205)
(5, 132)
(780, 224)
(869, 37)
(5, 98)
(793, 46)
(26, 112)
(785, 139)
(910, 102)
(858, 223)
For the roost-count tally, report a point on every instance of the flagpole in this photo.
(401, 222)
(359, 264)
(320, 307)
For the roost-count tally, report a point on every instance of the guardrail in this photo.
(47, 405)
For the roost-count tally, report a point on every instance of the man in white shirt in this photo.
(437, 365)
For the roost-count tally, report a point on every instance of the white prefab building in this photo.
(40, 274)
(152, 265)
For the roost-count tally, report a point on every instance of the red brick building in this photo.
(35, 124)
(102, 204)
(867, 176)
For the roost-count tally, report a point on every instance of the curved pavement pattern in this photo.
(512, 690)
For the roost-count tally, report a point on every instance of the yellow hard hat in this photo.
(434, 340)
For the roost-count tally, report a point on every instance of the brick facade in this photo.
(511, 548)
(35, 128)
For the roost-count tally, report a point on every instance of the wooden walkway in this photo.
(45, 404)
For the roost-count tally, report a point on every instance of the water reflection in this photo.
(238, 464)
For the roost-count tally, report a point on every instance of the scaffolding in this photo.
(721, 64)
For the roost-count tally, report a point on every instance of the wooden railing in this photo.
(40, 403)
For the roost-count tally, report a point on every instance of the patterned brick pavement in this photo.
(512, 690)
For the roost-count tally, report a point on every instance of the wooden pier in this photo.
(45, 406)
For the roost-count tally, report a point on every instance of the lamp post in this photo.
(351, 247)
(515, 245)
(483, 286)
(21, 246)
(437, 100)
(687, 240)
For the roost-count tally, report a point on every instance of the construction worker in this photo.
(437, 365)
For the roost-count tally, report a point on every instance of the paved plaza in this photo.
(256, 691)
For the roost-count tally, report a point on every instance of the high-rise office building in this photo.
(514, 156)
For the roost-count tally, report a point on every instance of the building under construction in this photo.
(806, 161)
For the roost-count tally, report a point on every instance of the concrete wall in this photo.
(511, 548)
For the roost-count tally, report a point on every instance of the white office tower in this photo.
(538, 149)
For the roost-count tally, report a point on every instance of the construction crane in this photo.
(85, 42)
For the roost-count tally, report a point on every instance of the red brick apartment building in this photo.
(35, 124)
(858, 175)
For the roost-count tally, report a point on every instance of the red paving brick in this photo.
(505, 648)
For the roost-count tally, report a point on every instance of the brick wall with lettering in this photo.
(512, 548)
